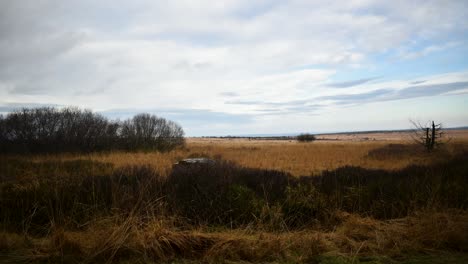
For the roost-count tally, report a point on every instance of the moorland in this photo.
(334, 200)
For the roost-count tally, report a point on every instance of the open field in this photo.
(406, 136)
(299, 159)
(329, 201)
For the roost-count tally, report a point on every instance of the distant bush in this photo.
(52, 130)
(306, 137)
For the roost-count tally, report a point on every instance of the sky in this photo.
(241, 67)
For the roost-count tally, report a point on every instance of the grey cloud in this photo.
(33, 39)
(189, 66)
(309, 109)
(229, 94)
(305, 108)
(184, 116)
(247, 102)
(430, 89)
(418, 82)
(391, 94)
(351, 83)
(33, 29)
(269, 110)
(241, 102)
(350, 98)
(24, 17)
(289, 107)
(10, 107)
(196, 122)
(264, 103)
(37, 48)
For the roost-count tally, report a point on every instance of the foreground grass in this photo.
(96, 209)
(444, 258)
(352, 240)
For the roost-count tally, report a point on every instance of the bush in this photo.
(390, 194)
(223, 192)
(303, 205)
(305, 138)
(52, 130)
(149, 132)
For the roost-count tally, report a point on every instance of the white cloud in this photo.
(187, 54)
(409, 55)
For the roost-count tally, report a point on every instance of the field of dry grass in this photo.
(290, 156)
(146, 235)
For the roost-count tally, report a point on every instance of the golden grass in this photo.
(109, 241)
(290, 156)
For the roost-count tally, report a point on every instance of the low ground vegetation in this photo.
(91, 208)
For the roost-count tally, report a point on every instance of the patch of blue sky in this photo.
(390, 66)
(196, 122)
(443, 62)
(256, 9)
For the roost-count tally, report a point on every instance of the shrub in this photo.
(149, 132)
(52, 130)
(305, 137)
(390, 194)
(303, 205)
(218, 193)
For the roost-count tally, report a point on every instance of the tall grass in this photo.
(292, 157)
(131, 240)
(223, 193)
(99, 208)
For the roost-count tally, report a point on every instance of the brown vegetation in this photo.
(350, 199)
(292, 157)
(136, 240)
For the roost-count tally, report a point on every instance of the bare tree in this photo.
(71, 129)
(149, 132)
(428, 135)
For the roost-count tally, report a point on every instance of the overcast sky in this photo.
(241, 67)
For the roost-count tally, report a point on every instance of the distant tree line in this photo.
(52, 130)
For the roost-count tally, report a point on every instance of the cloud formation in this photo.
(229, 59)
(351, 83)
(393, 94)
